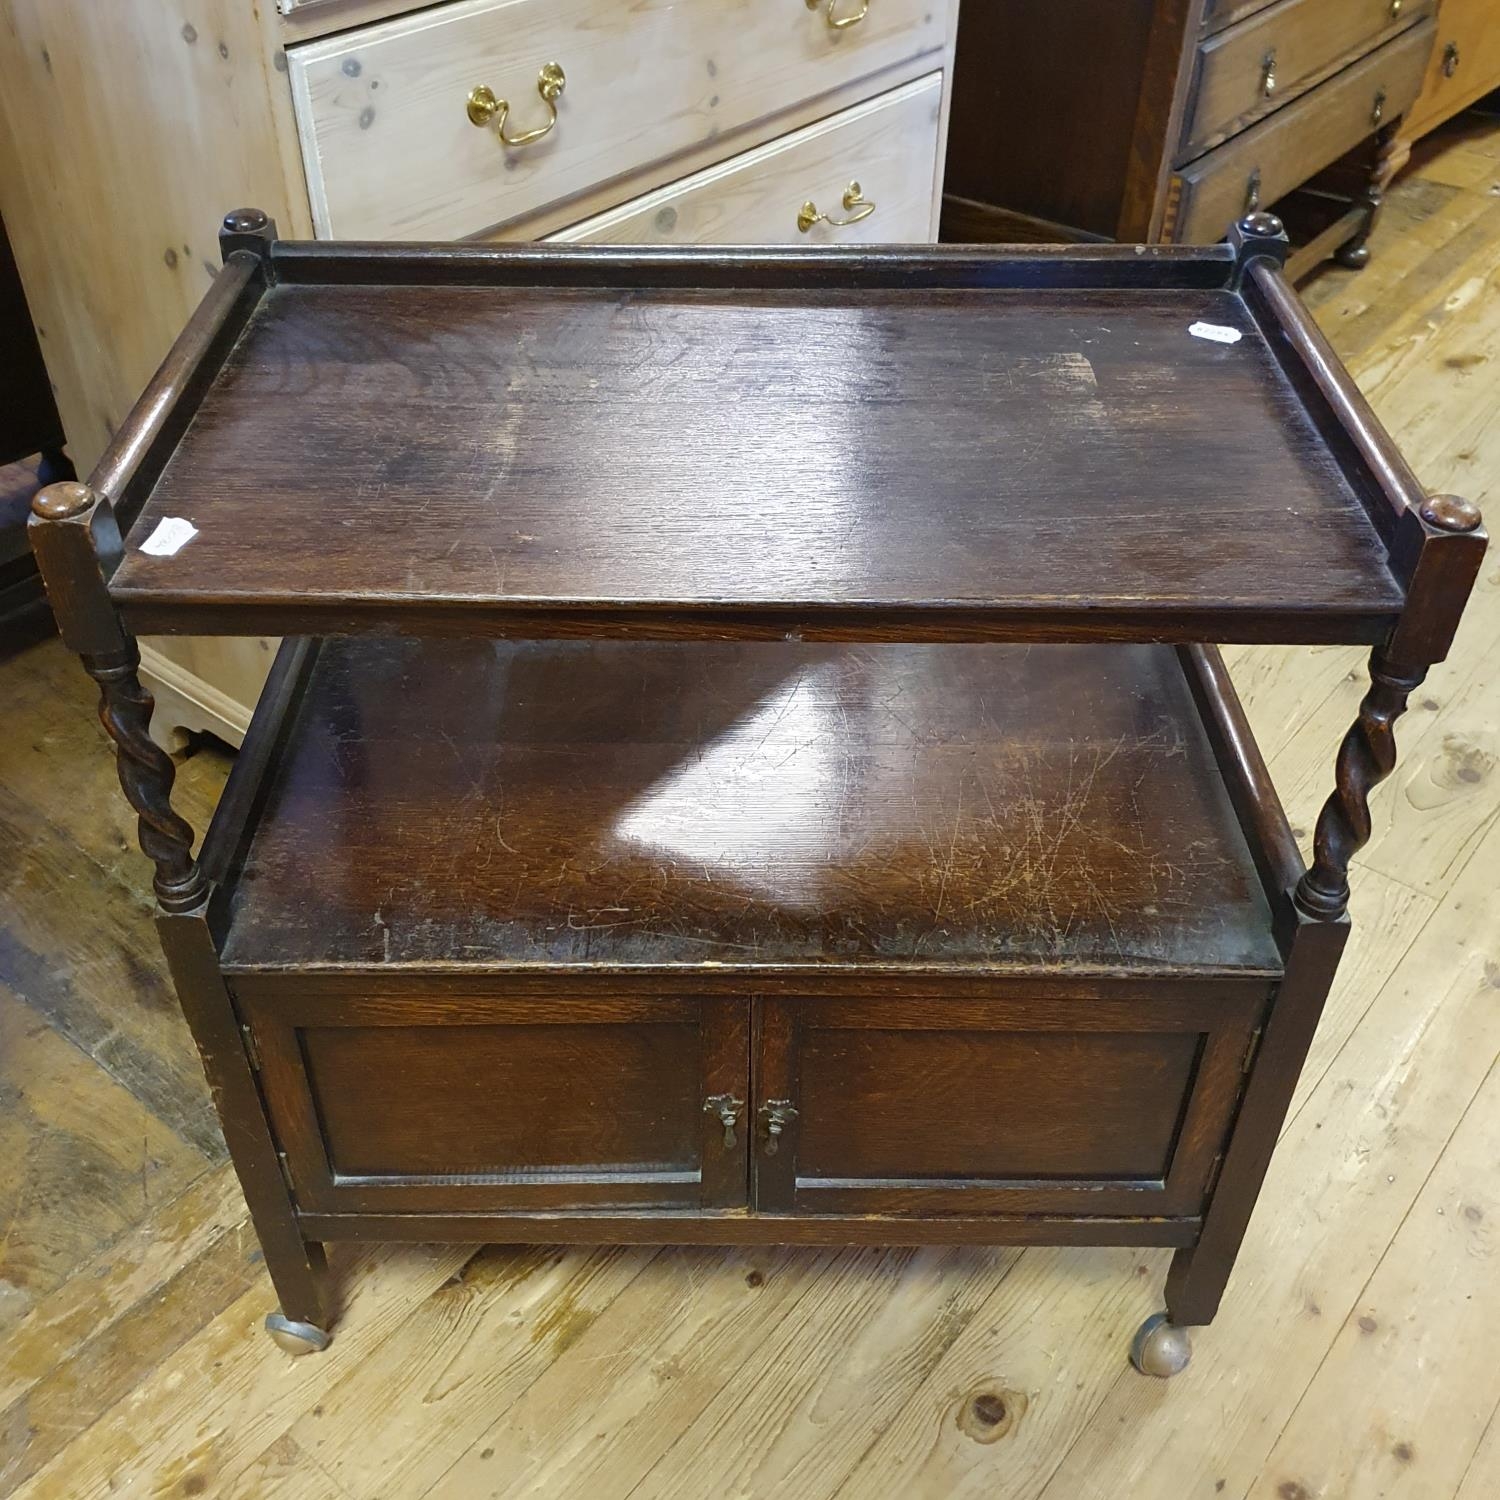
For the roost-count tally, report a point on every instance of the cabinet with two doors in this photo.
(1011, 1100)
(809, 122)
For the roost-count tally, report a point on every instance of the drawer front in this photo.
(391, 151)
(1218, 14)
(889, 147)
(1465, 62)
(1270, 159)
(410, 1104)
(1255, 67)
(977, 1107)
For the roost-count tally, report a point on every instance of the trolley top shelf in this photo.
(957, 444)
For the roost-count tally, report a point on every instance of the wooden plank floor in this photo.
(1354, 1357)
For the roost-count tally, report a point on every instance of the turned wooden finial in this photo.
(1255, 236)
(1449, 513)
(250, 229)
(63, 500)
(1261, 225)
(247, 221)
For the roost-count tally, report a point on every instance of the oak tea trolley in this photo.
(746, 762)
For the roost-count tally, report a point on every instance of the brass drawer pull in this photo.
(1377, 113)
(836, 20)
(1450, 59)
(1268, 73)
(776, 1115)
(855, 202)
(727, 1108)
(1395, 9)
(486, 109)
(1252, 192)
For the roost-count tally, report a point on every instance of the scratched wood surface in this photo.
(728, 803)
(620, 454)
(1353, 1358)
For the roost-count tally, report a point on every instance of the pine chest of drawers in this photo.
(808, 122)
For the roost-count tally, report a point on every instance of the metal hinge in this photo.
(1215, 1167)
(252, 1047)
(1251, 1049)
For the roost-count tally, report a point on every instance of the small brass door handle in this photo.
(858, 207)
(1268, 73)
(1395, 9)
(486, 109)
(1377, 111)
(840, 16)
(775, 1116)
(1252, 192)
(727, 1110)
(1450, 59)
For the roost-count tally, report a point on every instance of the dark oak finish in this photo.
(77, 542)
(1253, 69)
(665, 1227)
(1270, 159)
(133, 460)
(1164, 120)
(497, 1103)
(932, 1106)
(294, 1259)
(1246, 778)
(553, 488)
(901, 936)
(617, 805)
(1199, 1273)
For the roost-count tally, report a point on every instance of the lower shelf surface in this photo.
(631, 804)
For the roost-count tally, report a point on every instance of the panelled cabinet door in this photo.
(401, 1104)
(924, 1106)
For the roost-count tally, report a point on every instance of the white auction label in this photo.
(1215, 331)
(172, 534)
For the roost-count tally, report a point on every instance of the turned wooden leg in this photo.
(77, 541)
(1391, 154)
(1366, 757)
(146, 776)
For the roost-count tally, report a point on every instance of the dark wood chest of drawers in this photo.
(1164, 120)
(744, 764)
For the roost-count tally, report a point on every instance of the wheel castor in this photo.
(297, 1338)
(1353, 257)
(1161, 1347)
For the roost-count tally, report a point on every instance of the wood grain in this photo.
(1316, 129)
(865, 1381)
(1398, 1332)
(926, 807)
(890, 144)
(1021, 431)
(390, 152)
(1456, 79)
(1308, 39)
(82, 1162)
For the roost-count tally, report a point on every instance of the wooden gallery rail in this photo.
(746, 764)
